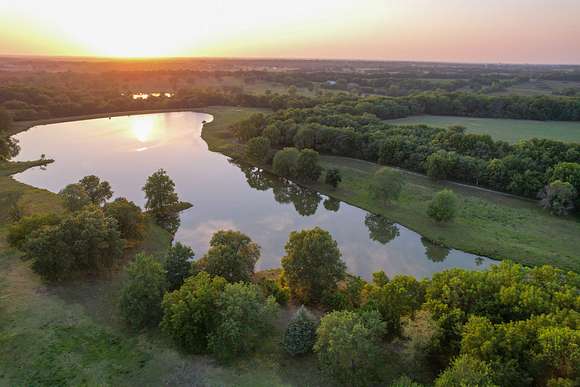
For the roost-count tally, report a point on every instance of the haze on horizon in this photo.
(498, 31)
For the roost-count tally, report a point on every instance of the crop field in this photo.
(502, 129)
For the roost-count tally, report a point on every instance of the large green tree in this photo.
(99, 191)
(443, 207)
(307, 168)
(258, 149)
(129, 218)
(386, 185)
(162, 200)
(178, 265)
(74, 197)
(284, 163)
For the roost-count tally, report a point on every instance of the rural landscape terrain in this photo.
(178, 216)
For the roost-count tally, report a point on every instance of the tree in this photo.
(434, 251)
(99, 191)
(301, 333)
(284, 163)
(85, 241)
(349, 347)
(178, 265)
(440, 165)
(558, 197)
(333, 177)
(74, 197)
(258, 149)
(244, 318)
(19, 232)
(312, 264)
(190, 313)
(232, 255)
(567, 173)
(331, 204)
(386, 184)
(466, 371)
(129, 218)
(443, 207)
(8, 146)
(307, 167)
(162, 200)
(381, 229)
(142, 292)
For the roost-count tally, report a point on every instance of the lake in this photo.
(126, 150)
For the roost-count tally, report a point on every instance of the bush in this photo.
(85, 241)
(258, 149)
(142, 292)
(74, 197)
(129, 218)
(190, 313)
(333, 177)
(99, 191)
(466, 371)
(19, 232)
(301, 333)
(558, 197)
(312, 265)
(284, 163)
(349, 347)
(386, 185)
(244, 318)
(275, 289)
(405, 381)
(443, 207)
(178, 265)
(232, 255)
(307, 168)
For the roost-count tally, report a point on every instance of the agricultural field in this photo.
(502, 129)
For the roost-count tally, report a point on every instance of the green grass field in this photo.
(502, 129)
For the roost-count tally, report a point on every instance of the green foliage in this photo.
(284, 163)
(333, 177)
(142, 292)
(162, 200)
(348, 295)
(386, 185)
(258, 149)
(396, 298)
(244, 317)
(307, 168)
(178, 265)
(440, 165)
(250, 127)
(301, 333)
(405, 381)
(466, 371)
(129, 218)
(312, 264)
(349, 347)
(74, 197)
(381, 229)
(443, 207)
(558, 197)
(232, 255)
(99, 191)
(190, 313)
(85, 241)
(8, 146)
(19, 232)
(275, 289)
(567, 173)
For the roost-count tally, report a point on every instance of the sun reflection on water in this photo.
(143, 128)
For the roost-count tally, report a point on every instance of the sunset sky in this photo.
(509, 31)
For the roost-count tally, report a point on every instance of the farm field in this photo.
(502, 129)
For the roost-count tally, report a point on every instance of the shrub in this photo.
(443, 207)
(386, 184)
(275, 289)
(99, 191)
(307, 167)
(142, 292)
(19, 232)
(83, 242)
(232, 255)
(258, 149)
(405, 381)
(466, 371)
(178, 265)
(300, 333)
(312, 264)
(558, 197)
(190, 313)
(244, 318)
(74, 197)
(333, 177)
(129, 218)
(284, 163)
(349, 347)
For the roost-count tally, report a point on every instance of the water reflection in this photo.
(434, 251)
(224, 194)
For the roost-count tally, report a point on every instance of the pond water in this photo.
(125, 150)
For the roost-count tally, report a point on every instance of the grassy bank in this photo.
(489, 224)
(502, 129)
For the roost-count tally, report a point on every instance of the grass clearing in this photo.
(501, 129)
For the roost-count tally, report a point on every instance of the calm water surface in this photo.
(125, 150)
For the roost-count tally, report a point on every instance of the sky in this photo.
(492, 31)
